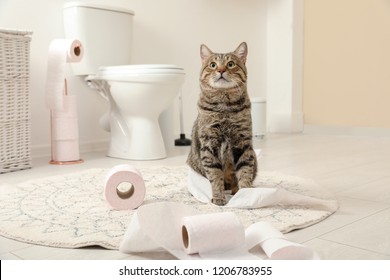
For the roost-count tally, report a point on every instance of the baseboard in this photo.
(85, 147)
(347, 130)
(285, 123)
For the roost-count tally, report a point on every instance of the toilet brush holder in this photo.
(182, 141)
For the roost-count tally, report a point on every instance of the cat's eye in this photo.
(213, 65)
(231, 64)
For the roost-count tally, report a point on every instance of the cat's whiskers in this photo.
(237, 85)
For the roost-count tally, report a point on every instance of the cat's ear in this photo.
(205, 53)
(242, 51)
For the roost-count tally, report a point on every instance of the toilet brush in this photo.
(182, 141)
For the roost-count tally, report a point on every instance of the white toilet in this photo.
(137, 94)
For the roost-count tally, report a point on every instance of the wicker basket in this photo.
(15, 146)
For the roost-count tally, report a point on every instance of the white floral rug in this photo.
(69, 211)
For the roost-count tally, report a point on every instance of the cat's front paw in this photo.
(234, 190)
(218, 201)
(245, 184)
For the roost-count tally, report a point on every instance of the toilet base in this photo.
(136, 139)
(139, 157)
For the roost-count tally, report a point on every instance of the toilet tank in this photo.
(104, 31)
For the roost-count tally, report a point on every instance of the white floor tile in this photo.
(8, 245)
(8, 256)
(356, 176)
(378, 191)
(350, 211)
(89, 253)
(335, 251)
(371, 233)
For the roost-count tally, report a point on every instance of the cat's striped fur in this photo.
(222, 148)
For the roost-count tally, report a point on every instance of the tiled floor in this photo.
(355, 169)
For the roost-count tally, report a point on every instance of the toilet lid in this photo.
(139, 69)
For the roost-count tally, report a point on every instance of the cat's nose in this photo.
(221, 70)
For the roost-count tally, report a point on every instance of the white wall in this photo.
(170, 32)
(284, 65)
(44, 18)
(173, 32)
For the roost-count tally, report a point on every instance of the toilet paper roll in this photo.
(65, 129)
(65, 123)
(65, 151)
(215, 232)
(65, 132)
(69, 109)
(124, 187)
(61, 51)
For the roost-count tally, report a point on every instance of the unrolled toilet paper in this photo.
(256, 197)
(187, 234)
(61, 52)
(124, 187)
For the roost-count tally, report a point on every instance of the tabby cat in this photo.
(222, 148)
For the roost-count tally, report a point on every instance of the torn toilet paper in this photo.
(257, 196)
(180, 230)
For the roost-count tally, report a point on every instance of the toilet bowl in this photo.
(137, 94)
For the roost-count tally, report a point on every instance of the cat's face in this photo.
(223, 71)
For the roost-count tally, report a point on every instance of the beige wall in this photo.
(347, 63)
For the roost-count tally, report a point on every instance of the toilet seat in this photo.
(123, 71)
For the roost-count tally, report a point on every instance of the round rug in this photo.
(69, 211)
